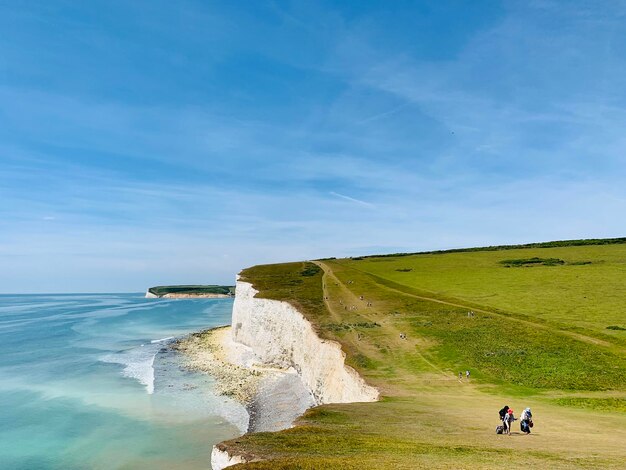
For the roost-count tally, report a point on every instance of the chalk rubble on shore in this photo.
(231, 364)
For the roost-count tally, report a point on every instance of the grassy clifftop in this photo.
(298, 283)
(537, 337)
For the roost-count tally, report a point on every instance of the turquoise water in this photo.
(89, 382)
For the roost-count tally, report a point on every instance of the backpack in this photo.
(499, 429)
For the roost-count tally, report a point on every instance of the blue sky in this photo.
(154, 142)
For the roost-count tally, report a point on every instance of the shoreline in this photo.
(210, 351)
(273, 397)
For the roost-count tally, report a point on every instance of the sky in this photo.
(157, 142)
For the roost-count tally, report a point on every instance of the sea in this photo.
(89, 382)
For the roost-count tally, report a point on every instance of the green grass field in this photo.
(537, 337)
(574, 294)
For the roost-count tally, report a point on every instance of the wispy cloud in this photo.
(384, 114)
(352, 199)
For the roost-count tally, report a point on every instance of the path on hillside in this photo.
(571, 334)
(408, 344)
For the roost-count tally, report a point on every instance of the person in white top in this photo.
(508, 421)
(526, 421)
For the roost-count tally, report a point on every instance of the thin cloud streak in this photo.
(351, 199)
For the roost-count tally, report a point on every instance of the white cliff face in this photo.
(221, 459)
(150, 295)
(280, 335)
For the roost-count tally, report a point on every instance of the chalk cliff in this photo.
(174, 295)
(281, 336)
(220, 458)
(150, 295)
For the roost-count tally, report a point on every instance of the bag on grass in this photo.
(499, 429)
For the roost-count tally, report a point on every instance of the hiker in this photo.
(460, 375)
(508, 420)
(502, 412)
(526, 421)
(467, 374)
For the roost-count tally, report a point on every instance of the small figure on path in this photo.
(508, 420)
(503, 411)
(402, 336)
(460, 375)
(526, 421)
(467, 374)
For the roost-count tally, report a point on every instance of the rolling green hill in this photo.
(539, 326)
(580, 286)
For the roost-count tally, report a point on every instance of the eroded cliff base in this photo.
(273, 396)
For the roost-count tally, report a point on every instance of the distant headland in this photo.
(190, 292)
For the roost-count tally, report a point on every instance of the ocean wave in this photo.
(138, 363)
(161, 340)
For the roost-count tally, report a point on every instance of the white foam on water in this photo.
(161, 340)
(194, 393)
(138, 363)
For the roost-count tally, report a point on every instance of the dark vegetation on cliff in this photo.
(192, 290)
(552, 244)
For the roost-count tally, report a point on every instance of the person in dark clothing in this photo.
(503, 412)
